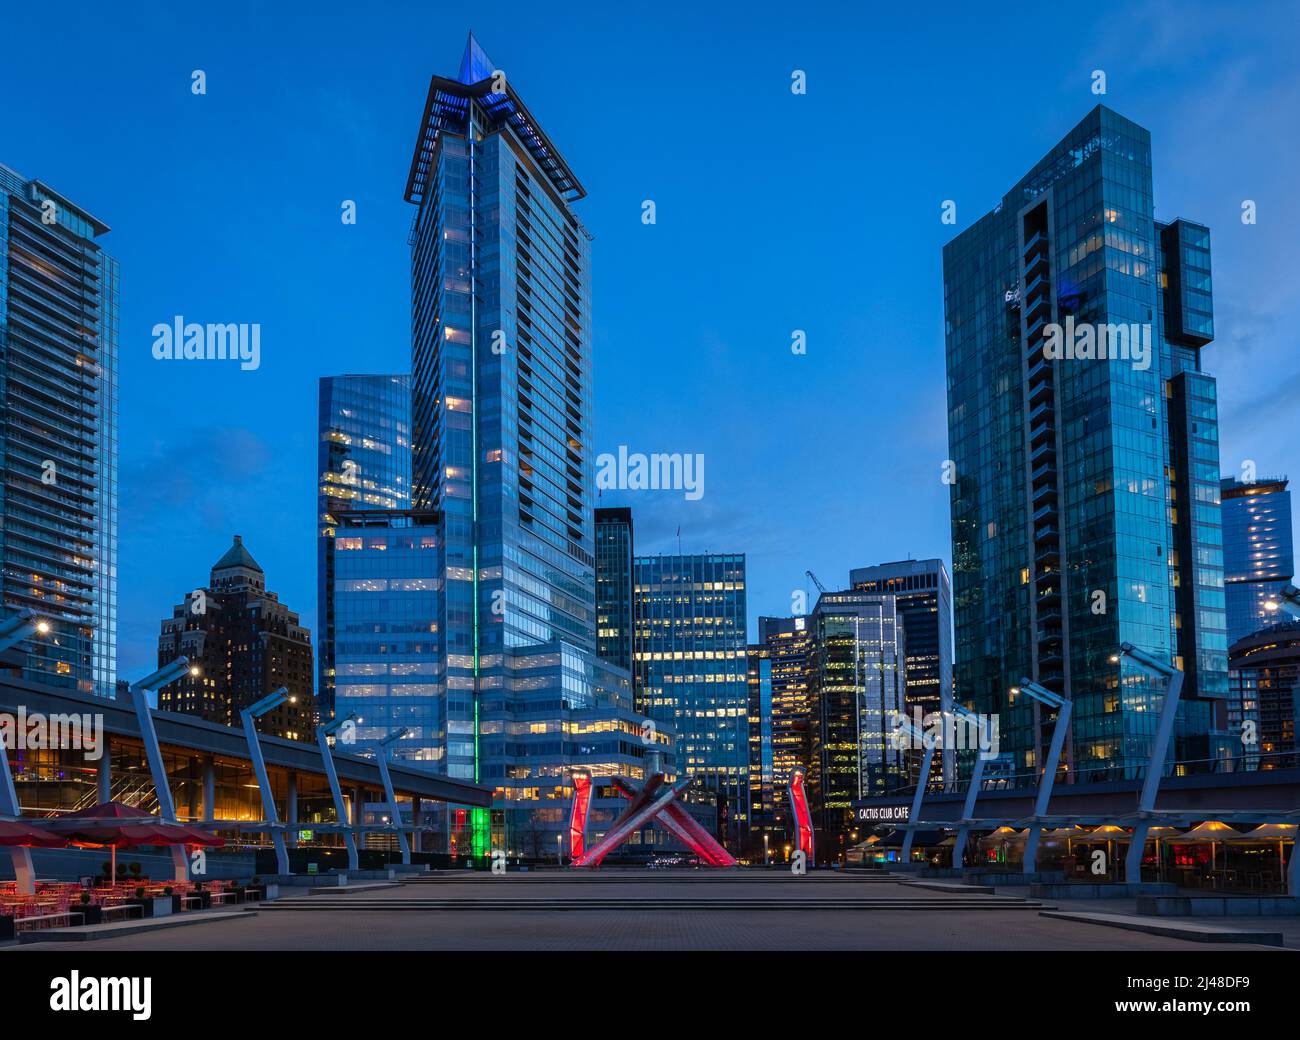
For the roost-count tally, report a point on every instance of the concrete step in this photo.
(953, 886)
(1197, 932)
(116, 929)
(632, 905)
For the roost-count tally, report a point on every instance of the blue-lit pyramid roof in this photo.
(475, 65)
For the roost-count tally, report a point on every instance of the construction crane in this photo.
(820, 587)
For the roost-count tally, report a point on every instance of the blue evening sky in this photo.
(775, 212)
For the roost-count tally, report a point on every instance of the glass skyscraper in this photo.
(615, 601)
(1258, 561)
(381, 600)
(692, 671)
(58, 432)
(856, 690)
(1085, 490)
(363, 464)
(502, 446)
(778, 718)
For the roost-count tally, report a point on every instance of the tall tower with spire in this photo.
(502, 420)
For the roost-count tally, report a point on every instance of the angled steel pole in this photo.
(153, 751)
(394, 810)
(972, 792)
(914, 816)
(247, 717)
(331, 774)
(1046, 783)
(24, 872)
(1156, 764)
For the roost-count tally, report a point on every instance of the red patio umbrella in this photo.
(16, 832)
(116, 826)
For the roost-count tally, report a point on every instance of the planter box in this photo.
(158, 906)
(91, 914)
(6, 928)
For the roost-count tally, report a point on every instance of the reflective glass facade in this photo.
(692, 671)
(364, 464)
(1258, 559)
(614, 598)
(383, 603)
(856, 689)
(58, 432)
(1085, 503)
(502, 450)
(923, 597)
(778, 718)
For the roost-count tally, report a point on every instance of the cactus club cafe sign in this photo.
(882, 813)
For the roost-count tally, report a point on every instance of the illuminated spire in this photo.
(474, 64)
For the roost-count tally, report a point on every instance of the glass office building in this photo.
(382, 601)
(58, 432)
(692, 671)
(1258, 560)
(614, 598)
(502, 441)
(778, 719)
(923, 598)
(856, 690)
(363, 464)
(1085, 501)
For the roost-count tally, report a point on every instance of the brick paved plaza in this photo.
(621, 910)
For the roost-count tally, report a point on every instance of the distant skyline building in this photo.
(1258, 556)
(1085, 491)
(58, 432)
(923, 596)
(246, 644)
(692, 671)
(363, 463)
(778, 719)
(1265, 677)
(615, 600)
(856, 690)
(382, 602)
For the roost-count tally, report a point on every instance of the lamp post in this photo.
(395, 811)
(905, 727)
(21, 626)
(1287, 600)
(1159, 750)
(765, 848)
(1063, 707)
(323, 733)
(248, 716)
(559, 850)
(976, 780)
(14, 630)
(139, 693)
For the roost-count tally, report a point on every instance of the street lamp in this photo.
(1287, 600)
(21, 626)
(559, 850)
(765, 841)
(323, 732)
(1062, 707)
(975, 725)
(139, 693)
(395, 811)
(1159, 749)
(248, 716)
